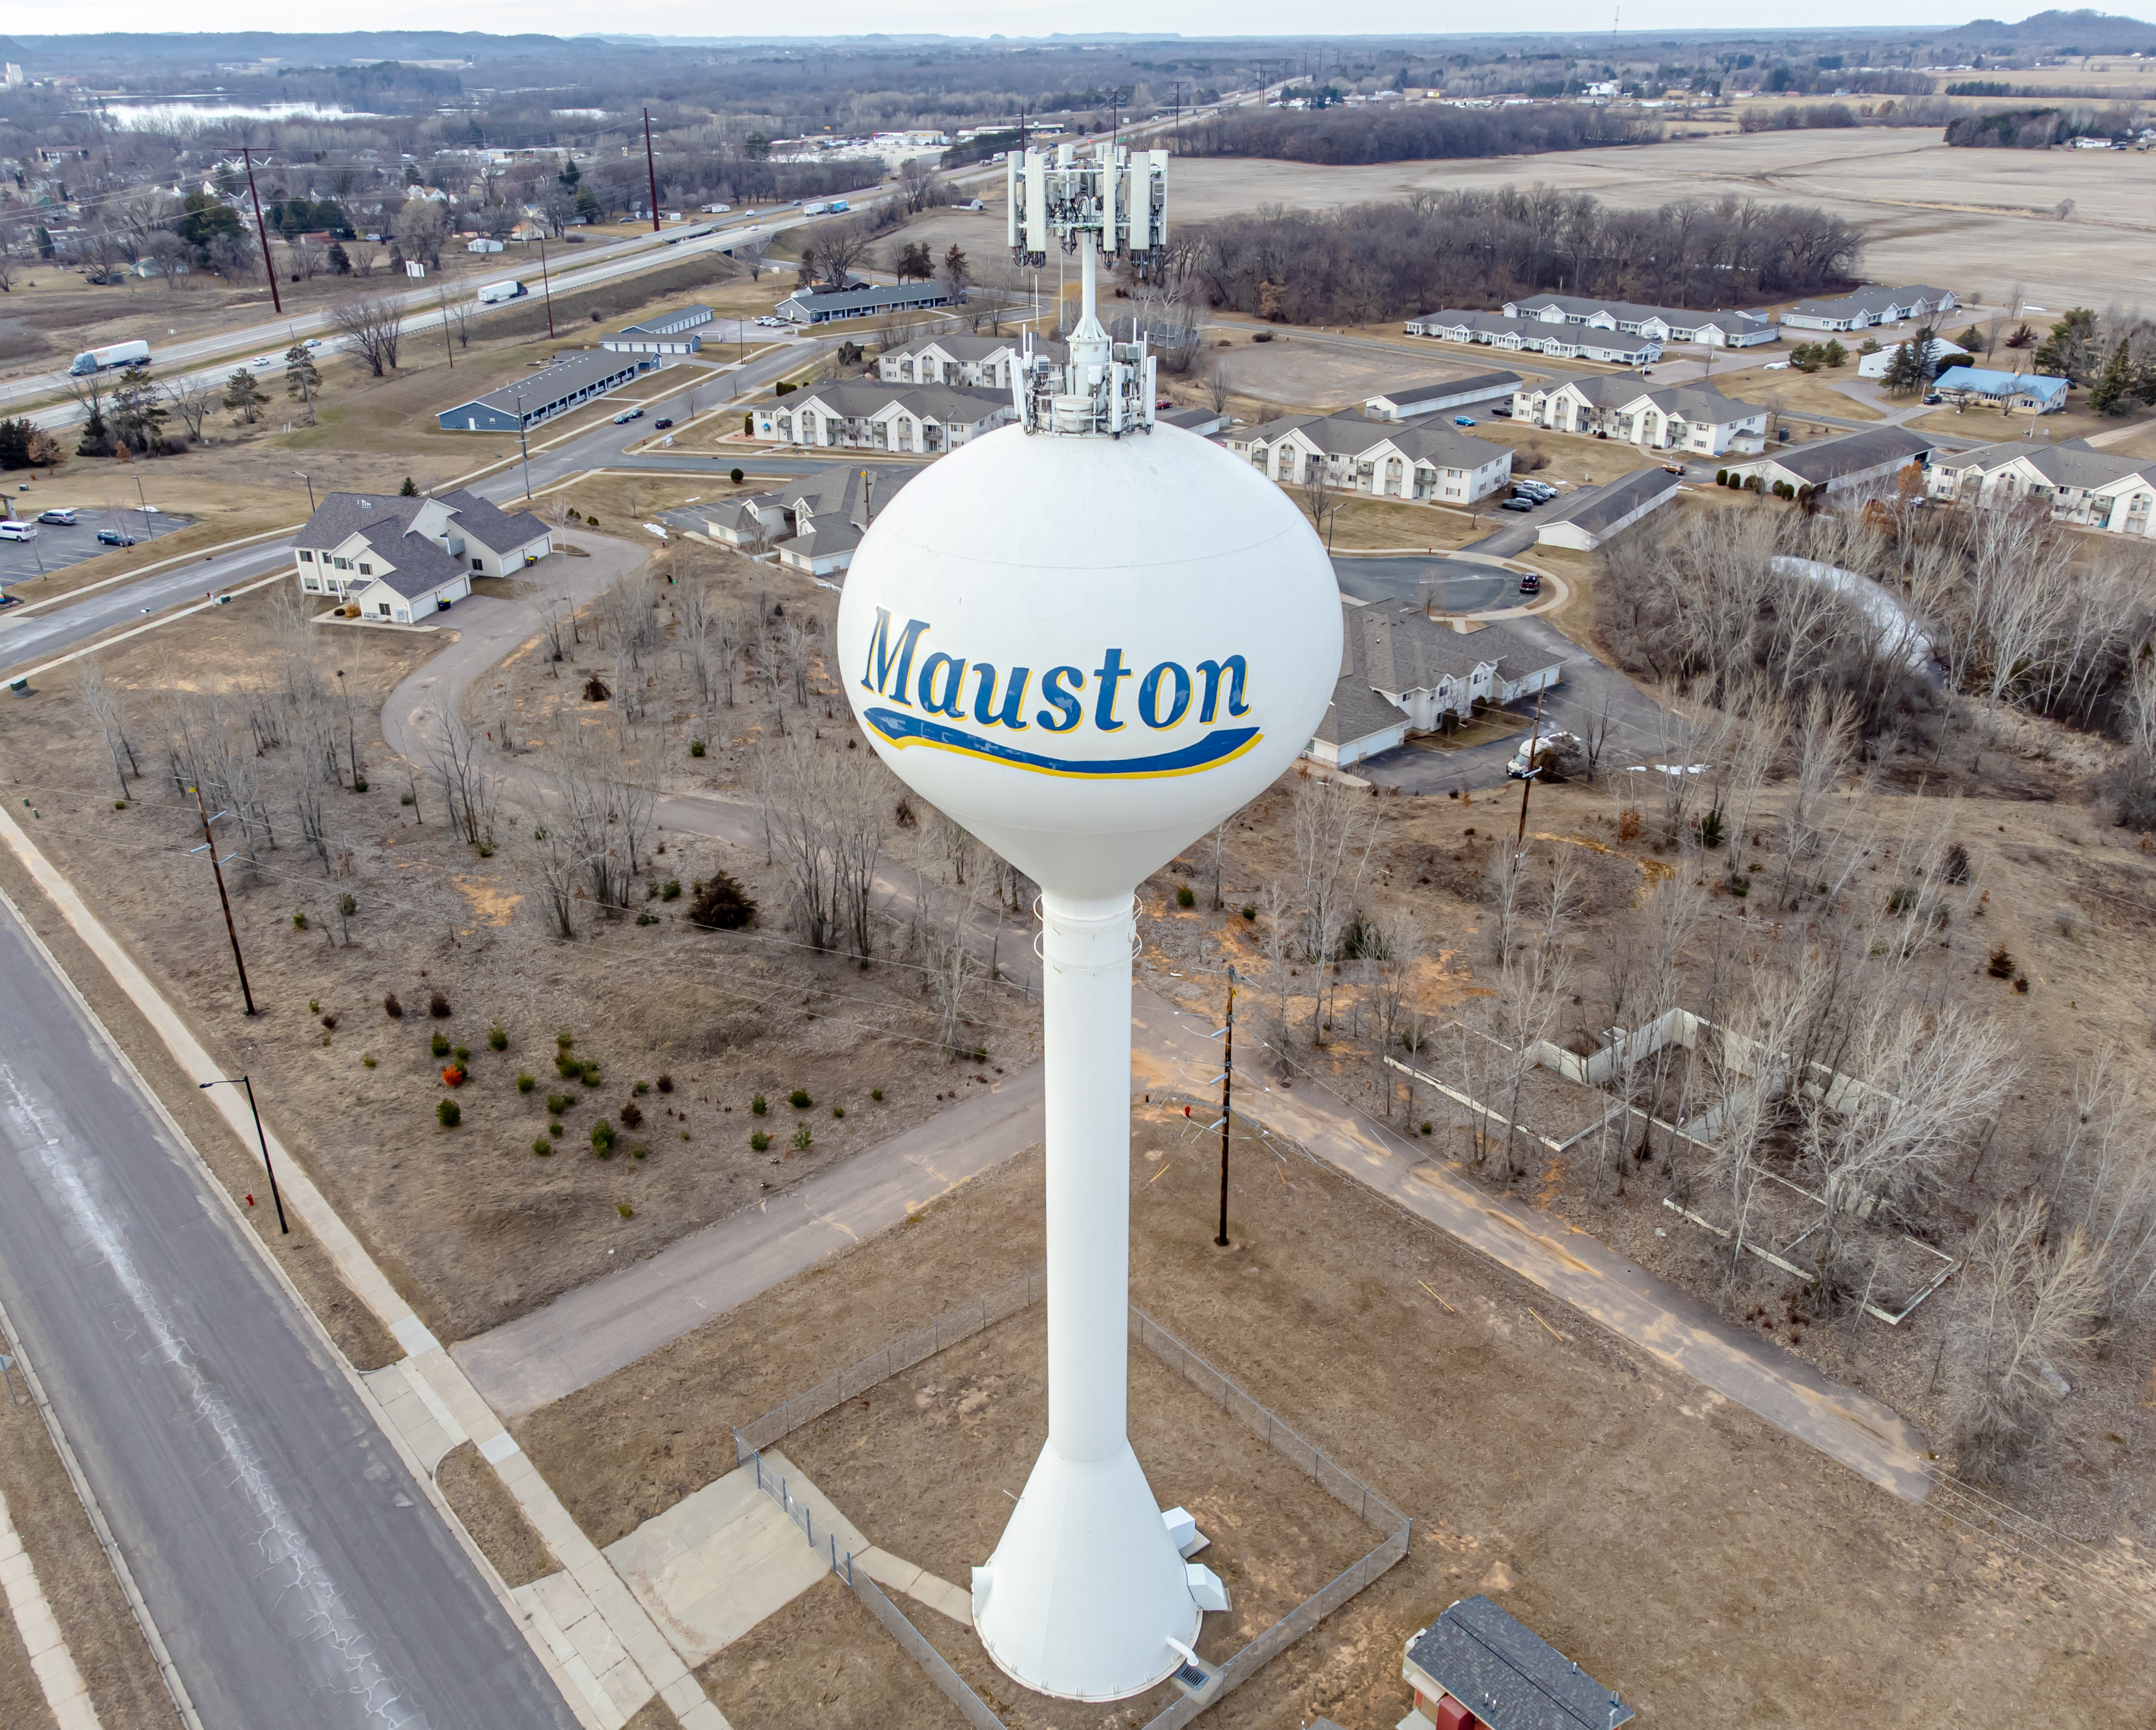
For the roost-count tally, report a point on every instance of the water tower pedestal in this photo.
(1086, 1589)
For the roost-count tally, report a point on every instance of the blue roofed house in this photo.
(1475, 1668)
(2037, 391)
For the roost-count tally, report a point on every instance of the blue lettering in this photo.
(1110, 673)
(984, 699)
(1064, 706)
(883, 665)
(952, 702)
(1237, 670)
(1149, 695)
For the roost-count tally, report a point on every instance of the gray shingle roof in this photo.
(851, 303)
(342, 515)
(563, 376)
(1815, 465)
(1357, 711)
(386, 523)
(960, 346)
(1391, 647)
(834, 495)
(2072, 464)
(858, 399)
(478, 520)
(1445, 446)
(421, 566)
(671, 321)
(1596, 510)
(1509, 1676)
(1431, 390)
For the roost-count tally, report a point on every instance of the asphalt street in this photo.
(298, 1574)
(1452, 585)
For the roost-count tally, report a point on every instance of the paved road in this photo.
(26, 636)
(1452, 585)
(297, 1572)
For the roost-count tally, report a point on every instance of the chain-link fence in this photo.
(984, 1311)
(901, 1353)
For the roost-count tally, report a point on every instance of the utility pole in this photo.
(261, 233)
(1527, 780)
(443, 296)
(226, 1081)
(1178, 117)
(231, 930)
(546, 287)
(1227, 1103)
(523, 444)
(651, 168)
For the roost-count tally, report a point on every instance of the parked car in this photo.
(1463, 420)
(663, 422)
(13, 529)
(1931, 398)
(1501, 413)
(1541, 490)
(114, 537)
(1517, 504)
(1531, 584)
(1673, 468)
(64, 514)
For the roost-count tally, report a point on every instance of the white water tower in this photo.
(1089, 640)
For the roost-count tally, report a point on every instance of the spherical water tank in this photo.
(1090, 650)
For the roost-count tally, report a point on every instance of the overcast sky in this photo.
(981, 17)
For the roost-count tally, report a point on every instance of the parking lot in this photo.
(57, 546)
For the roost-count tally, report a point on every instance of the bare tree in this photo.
(453, 751)
(952, 967)
(1334, 830)
(105, 711)
(2028, 1295)
(372, 327)
(308, 256)
(607, 815)
(557, 870)
(840, 246)
(419, 229)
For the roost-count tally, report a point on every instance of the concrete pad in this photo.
(714, 1565)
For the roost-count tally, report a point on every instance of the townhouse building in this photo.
(1403, 673)
(1695, 419)
(1661, 324)
(401, 559)
(1422, 465)
(2088, 488)
(921, 419)
(1535, 336)
(1870, 306)
(984, 363)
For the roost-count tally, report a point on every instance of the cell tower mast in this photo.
(1113, 202)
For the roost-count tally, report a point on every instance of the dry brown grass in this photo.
(486, 1510)
(1796, 395)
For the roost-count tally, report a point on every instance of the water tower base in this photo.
(1086, 1591)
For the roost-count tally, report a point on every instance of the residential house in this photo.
(1688, 419)
(986, 362)
(1535, 336)
(2037, 391)
(1940, 353)
(1585, 521)
(814, 521)
(1870, 306)
(808, 306)
(1836, 465)
(566, 383)
(2088, 488)
(1477, 1666)
(1402, 673)
(1660, 324)
(1422, 464)
(673, 333)
(865, 414)
(402, 559)
(1437, 394)
(1203, 422)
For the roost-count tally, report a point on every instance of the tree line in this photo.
(1423, 133)
(1479, 248)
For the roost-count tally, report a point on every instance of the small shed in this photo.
(1475, 1668)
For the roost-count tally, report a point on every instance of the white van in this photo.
(13, 530)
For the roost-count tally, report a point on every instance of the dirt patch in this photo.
(482, 1502)
(824, 1660)
(100, 1631)
(1530, 1463)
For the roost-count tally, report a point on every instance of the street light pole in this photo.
(310, 488)
(231, 930)
(545, 285)
(143, 499)
(275, 1196)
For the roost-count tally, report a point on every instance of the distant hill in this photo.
(52, 53)
(2084, 31)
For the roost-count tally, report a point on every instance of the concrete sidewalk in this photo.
(596, 1329)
